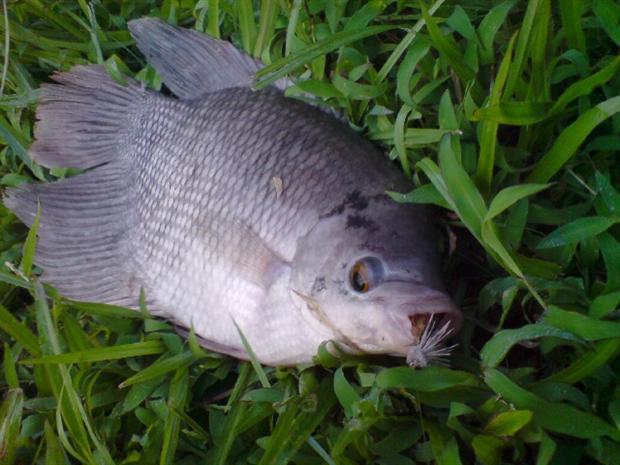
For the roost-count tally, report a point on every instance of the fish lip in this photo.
(419, 313)
(401, 316)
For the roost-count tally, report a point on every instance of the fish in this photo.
(254, 219)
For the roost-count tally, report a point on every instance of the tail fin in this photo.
(84, 118)
(85, 224)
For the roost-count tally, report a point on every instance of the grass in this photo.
(505, 114)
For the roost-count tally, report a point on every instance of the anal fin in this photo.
(84, 243)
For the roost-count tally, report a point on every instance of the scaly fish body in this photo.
(235, 210)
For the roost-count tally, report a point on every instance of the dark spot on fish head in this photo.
(319, 285)
(337, 210)
(360, 221)
(342, 289)
(356, 201)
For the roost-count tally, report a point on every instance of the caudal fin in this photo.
(86, 221)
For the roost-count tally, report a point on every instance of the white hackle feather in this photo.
(429, 350)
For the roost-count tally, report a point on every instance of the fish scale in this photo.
(179, 198)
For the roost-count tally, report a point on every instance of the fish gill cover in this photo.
(502, 114)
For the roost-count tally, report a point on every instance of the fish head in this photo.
(372, 277)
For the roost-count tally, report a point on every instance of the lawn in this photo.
(504, 114)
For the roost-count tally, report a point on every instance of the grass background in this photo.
(504, 113)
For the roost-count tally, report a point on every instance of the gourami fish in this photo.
(237, 211)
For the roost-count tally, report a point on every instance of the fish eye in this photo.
(366, 274)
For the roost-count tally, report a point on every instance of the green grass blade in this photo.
(58, 19)
(292, 26)
(268, 12)
(576, 231)
(405, 43)
(539, 88)
(7, 47)
(288, 437)
(98, 354)
(319, 450)
(402, 47)
(14, 280)
(233, 418)
(426, 193)
(106, 310)
(406, 69)
(570, 12)
(488, 449)
(446, 46)
(513, 113)
(53, 451)
(159, 369)
(213, 21)
(489, 27)
(10, 371)
(509, 196)
(280, 68)
(447, 117)
(70, 406)
(488, 132)
(604, 304)
(465, 196)
(432, 171)
(347, 396)
(93, 29)
(399, 139)
(509, 423)
(429, 379)
(496, 349)
(587, 364)
(18, 331)
(412, 136)
(610, 250)
(490, 239)
(30, 244)
(177, 397)
(522, 47)
(443, 445)
(247, 24)
(608, 13)
(565, 419)
(262, 377)
(583, 326)
(571, 138)
(11, 412)
(74, 334)
(586, 86)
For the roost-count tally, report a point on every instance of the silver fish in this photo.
(235, 210)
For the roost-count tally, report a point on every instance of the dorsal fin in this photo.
(190, 62)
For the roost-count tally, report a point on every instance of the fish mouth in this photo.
(435, 308)
(421, 321)
(432, 322)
